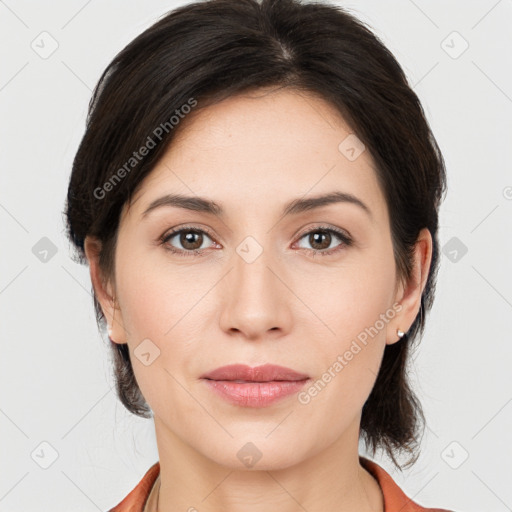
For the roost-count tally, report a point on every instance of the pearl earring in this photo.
(400, 333)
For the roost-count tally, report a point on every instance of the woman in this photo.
(257, 197)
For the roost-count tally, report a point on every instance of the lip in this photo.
(254, 387)
(263, 373)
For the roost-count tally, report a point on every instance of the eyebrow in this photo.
(203, 205)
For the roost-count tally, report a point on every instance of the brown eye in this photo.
(320, 240)
(186, 240)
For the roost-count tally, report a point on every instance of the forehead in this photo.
(262, 146)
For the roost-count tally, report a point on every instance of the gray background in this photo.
(67, 444)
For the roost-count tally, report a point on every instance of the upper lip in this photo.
(263, 373)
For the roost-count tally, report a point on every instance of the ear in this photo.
(409, 295)
(104, 291)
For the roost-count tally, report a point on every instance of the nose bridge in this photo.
(255, 302)
(251, 273)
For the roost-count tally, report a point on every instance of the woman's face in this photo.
(265, 285)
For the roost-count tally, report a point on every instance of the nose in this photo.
(256, 300)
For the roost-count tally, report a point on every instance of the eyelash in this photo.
(346, 240)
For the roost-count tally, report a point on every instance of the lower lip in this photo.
(255, 394)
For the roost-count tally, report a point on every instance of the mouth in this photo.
(260, 386)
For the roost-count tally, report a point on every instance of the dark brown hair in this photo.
(207, 51)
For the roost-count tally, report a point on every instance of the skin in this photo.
(252, 154)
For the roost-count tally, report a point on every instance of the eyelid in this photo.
(325, 227)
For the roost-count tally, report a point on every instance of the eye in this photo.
(321, 238)
(190, 239)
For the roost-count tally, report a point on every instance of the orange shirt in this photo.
(142, 498)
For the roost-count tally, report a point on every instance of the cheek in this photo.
(355, 308)
(354, 301)
(347, 364)
(160, 315)
(157, 294)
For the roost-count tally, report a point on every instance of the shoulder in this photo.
(135, 501)
(394, 497)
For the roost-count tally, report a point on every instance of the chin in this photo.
(255, 453)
